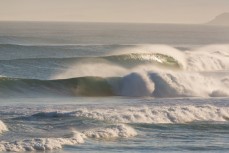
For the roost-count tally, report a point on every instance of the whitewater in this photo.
(146, 70)
(103, 87)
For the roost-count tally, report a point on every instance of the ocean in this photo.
(113, 87)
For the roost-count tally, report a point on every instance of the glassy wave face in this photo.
(96, 87)
(139, 70)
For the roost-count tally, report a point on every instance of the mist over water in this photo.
(142, 70)
(80, 87)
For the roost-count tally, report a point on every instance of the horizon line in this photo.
(112, 22)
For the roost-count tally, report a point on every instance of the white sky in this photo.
(149, 11)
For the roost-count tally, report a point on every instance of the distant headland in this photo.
(222, 19)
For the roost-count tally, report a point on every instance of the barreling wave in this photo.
(208, 58)
(158, 71)
(144, 58)
(160, 84)
(124, 60)
(129, 59)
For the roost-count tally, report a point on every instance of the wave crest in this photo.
(41, 144)
(3, 127)
(149, 70)
(114, 131)
(147, 114)
(156, 84)
(47, 144)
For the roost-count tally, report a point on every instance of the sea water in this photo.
(108, 87)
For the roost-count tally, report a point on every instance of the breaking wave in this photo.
(41, 144)
(111, 132)
(209, 58)
(163, 84)
(120, 122)
(148, 114)
(47, 144)
(150, 70)
(3, 127)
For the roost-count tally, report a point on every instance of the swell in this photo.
(207, 58)
(83, 86)
(124, 60)
(140, 71)
(36, 51)
(155, 84)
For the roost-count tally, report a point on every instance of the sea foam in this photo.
(137, 72)
(113, 131)
(47, 144)
(185, 84)
(153, 80)
(3, 127)
(41, 144)
(149, 114)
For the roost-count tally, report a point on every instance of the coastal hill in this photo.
(222, 19)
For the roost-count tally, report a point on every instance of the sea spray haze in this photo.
(103, 87)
